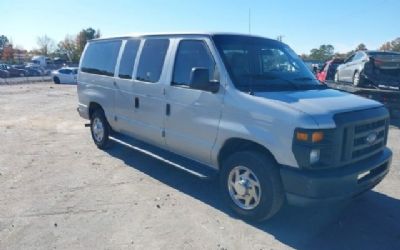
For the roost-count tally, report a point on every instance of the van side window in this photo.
(101, 57)
(128, 59)
(191, 54)
(152, 60)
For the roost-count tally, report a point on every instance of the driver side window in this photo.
(192, 54)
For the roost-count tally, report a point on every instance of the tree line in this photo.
(70, 48)
(327, 51)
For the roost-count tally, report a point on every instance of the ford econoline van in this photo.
(243, 108)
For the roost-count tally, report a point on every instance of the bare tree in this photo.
(68, 47)
(46, 45)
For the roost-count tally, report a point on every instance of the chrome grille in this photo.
(360, 135)
(369, 138)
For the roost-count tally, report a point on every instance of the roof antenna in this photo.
(249, 21)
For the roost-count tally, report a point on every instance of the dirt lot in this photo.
(58, 191)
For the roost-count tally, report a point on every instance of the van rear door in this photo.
(149, 98)
(124, 88)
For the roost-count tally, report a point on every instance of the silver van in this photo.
(240, 107)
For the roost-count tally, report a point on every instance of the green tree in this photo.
(84, 36)
(3, 43)
(323, 53)
(361, 46)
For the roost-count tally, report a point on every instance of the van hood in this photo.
(320, 102)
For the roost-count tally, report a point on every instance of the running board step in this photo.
(192, 167)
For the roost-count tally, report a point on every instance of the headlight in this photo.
(310, 146)
(314, 156)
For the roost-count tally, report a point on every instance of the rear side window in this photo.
(65, 71)
(128, 59)
(152, 60)
(100, 58)
(191, 54)
(358, 56)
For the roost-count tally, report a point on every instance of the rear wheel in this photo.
(56, 80)
(251, 185)
(358, 79)
(100, 129)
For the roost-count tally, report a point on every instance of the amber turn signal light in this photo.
(302, 136)
(317, 136)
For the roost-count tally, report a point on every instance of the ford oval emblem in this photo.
(371, 138)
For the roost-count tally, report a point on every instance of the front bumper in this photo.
(309, 186)
(83, 111)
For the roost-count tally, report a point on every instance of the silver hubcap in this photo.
(98, 129)
(244, 187)
(356, 78)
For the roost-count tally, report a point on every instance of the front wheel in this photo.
(251, 185)
(100, 129)
(56, 80)
(336, 79)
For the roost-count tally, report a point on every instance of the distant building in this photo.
(20, 55)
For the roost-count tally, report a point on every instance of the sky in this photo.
(304, 24)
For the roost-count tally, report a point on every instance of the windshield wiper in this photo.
(268, 77)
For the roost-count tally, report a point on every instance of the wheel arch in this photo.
(233, 145)
(93, 106)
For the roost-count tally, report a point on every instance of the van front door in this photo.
(192, 116)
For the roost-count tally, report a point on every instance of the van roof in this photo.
(172, 34)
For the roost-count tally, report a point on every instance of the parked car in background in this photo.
(370, 68)
(36, 68)
(4, 73)
(14, 72)
(28, 70)
(329, 69)
(65, 75)
(33, 71)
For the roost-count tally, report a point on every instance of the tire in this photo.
(358, 80)
(264, 171)
(100, 129)
(336, 79)
(56, 80)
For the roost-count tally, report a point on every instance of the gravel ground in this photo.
(60, 192)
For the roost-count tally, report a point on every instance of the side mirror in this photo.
(200, 79)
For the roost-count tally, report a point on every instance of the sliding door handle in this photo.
(168, 109)
(137, 102)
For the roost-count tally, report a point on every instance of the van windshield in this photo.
(260, 64)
